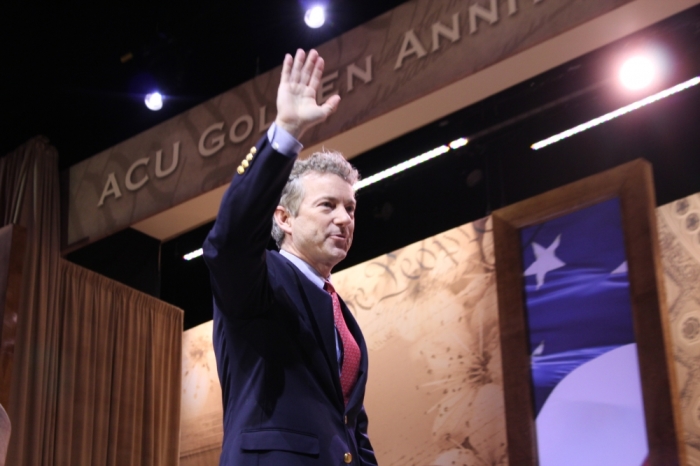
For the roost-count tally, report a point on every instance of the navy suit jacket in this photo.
(274, 339)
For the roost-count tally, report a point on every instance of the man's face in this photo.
(321, 233)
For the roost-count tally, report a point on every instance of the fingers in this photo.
(304, 69)
(286, 68)
(309, 66)
(316, 73)
(299, 59)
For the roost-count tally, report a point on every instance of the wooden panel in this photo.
(13, 240)
(632, 183)
(522, 444)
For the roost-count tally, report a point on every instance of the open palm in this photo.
(297, 109)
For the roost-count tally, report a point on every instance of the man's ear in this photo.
(284, 219)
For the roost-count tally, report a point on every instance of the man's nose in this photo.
(342, 217)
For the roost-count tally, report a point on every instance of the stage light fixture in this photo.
(638, 72)
(431, 154)
(315, 17)
(619, 112)
(154, 101)
(457, 143)
(193, 254)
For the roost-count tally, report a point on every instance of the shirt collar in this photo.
(308, 271)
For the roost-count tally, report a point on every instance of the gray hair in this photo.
(293, 192)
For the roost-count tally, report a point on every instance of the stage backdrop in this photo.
(409, 52)
(429, 315)
(679, 234)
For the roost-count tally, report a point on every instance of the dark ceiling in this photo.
(79, 94)
(62, 75)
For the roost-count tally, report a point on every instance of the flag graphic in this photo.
(576, 292)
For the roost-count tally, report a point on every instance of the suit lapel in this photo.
(319, 308)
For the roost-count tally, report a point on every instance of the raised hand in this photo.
(297, 109)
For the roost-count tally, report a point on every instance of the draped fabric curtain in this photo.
(119, 374)
(29, 197)
(97, 365)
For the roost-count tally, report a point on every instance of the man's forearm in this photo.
(235, 247)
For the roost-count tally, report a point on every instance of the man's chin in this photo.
(338, 254)
(341, 254)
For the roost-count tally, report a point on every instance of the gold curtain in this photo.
(119, 375)
(96, 372)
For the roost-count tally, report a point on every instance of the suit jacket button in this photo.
(345, 419)
(240, 170)
(347, 457)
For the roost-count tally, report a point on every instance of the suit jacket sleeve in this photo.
(235, 247)
(364, 447)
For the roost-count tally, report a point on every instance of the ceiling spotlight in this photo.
(638, 72)
(315, 17)
(154, 101)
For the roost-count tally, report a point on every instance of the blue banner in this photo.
(576, 292)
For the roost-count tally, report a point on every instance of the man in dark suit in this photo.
(291, 359)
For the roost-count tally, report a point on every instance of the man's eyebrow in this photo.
(328, 197)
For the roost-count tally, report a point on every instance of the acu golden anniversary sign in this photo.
(407, 53)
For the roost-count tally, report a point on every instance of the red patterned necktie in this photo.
(351, 351)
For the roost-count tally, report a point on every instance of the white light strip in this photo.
(431, 154)
(457, 143)
(193, 254)
(619, 112)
